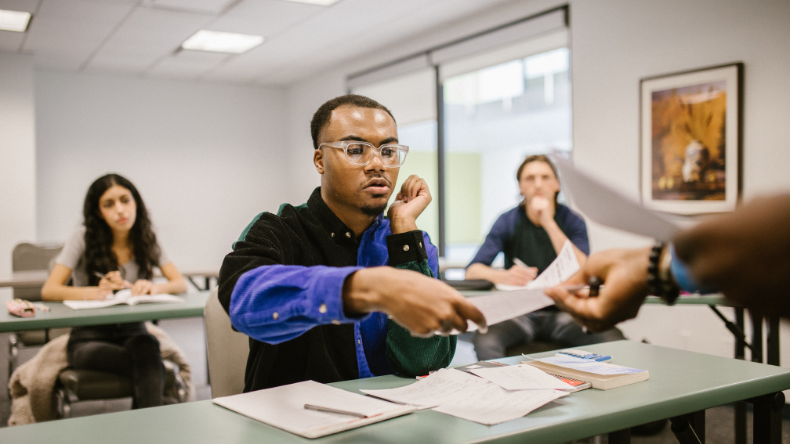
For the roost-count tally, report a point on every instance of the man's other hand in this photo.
(418, 303)
(624, 275)
(410, 202)
(519, 276)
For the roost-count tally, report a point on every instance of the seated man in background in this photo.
(533, 234)
(314, 284)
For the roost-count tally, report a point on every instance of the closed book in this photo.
(601, 375)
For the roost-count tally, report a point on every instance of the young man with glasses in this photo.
(331, 290)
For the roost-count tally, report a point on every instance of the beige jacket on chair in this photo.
(32, 384)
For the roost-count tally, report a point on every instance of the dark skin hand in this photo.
(744, 254)
(624, 273)
(420, 304)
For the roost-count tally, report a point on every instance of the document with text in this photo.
(521, 377)
(466, 396)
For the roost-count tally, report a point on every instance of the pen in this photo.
(331, 410)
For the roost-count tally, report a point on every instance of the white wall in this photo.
(206, 158)
(614, 43)
(17, 155)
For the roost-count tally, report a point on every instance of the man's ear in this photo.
(318, 160)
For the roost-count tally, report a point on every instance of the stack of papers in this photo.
(469, 397)
(601, 375)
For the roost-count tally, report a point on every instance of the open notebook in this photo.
(123, 297)
(284, 407)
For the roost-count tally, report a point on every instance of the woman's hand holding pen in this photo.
(624, 274)
(107, 284)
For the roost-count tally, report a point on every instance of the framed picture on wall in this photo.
(691, 140)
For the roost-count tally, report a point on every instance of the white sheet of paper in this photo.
(442, 387)
(559, 270)
(283, 407)
(521, 377)
(608, 207)
(491, 404)
(503, 305)
(468, 397)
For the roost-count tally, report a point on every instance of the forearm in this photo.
(482, 271)
(558, 239)
(276, 303)
(175, 286)
(65, 292)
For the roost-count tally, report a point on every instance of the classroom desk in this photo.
(24, 279)
(680, 383)
(60, 316)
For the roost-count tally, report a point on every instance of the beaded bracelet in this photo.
(659, 276)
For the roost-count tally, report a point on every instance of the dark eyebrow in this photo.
(360, 139)
(388, 140)
(353, 137)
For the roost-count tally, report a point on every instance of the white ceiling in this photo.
(142, 37)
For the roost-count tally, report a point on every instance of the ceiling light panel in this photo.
(16, 21)
(205, 40)
(316, 2)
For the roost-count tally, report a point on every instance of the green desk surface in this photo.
(680, 382)
(60, 316)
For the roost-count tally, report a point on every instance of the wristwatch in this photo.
(660, 281)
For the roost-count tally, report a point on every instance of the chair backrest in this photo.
(33, 257)
(227, 350)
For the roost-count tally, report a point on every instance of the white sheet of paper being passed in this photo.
(521, 377)
(608, 207)
(503, 305)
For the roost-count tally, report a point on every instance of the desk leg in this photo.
(768, 418)
(689, 429)
(740, 406)
(772, 347)
(757, 337)
(621, 437)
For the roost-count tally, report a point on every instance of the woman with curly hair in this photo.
(116, 248)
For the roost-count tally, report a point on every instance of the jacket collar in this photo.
(333, 225)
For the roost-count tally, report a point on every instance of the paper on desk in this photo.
(442, 387)
(468, 397)
(501, 306)
(494, 405)
(608, 207)
(521, 377)
(283, 407)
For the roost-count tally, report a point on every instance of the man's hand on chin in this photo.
(410, 202)
(543, 209)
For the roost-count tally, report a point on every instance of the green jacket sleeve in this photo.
(410, 356)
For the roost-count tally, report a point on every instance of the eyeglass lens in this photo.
(361, 153)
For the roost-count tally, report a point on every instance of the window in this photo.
(493, 118)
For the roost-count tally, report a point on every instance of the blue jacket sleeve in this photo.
(276, 303)
(495, 240)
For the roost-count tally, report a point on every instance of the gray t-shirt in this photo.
(72, 257)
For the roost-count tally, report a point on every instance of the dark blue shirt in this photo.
(504, 228)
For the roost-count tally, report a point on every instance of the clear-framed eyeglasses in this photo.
(361, 153)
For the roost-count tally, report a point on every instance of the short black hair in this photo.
(324, 113)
